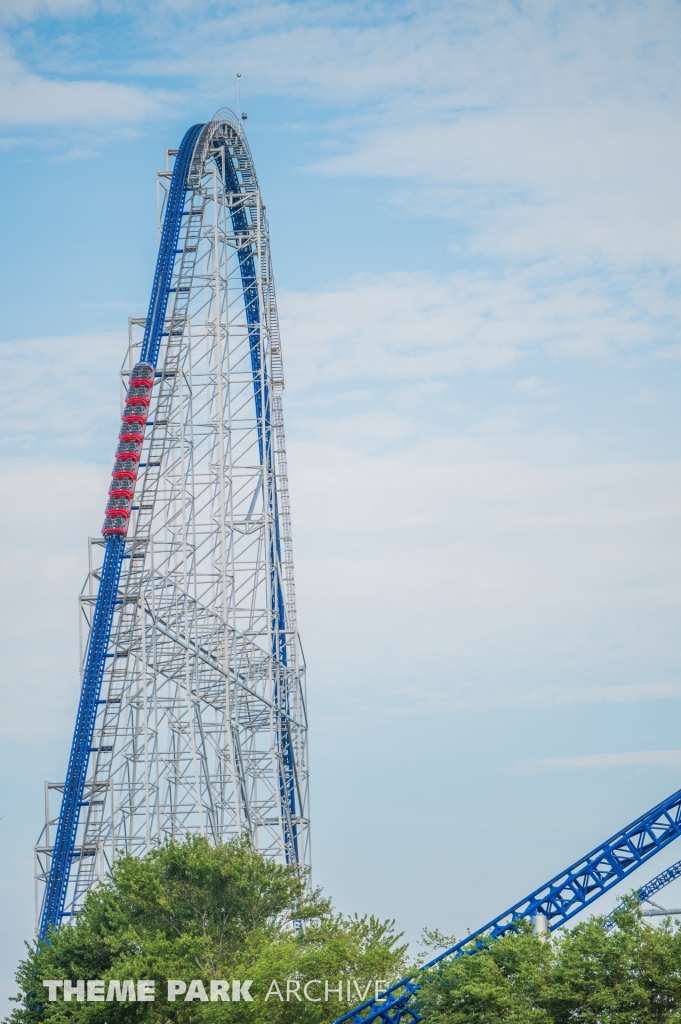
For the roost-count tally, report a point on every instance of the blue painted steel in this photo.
(670, 874)
(81, 747)
(172, 222)
(559, 900)
(287, 780)
(100, 634)
(659, 881)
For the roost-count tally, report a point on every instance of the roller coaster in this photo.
(192, 711)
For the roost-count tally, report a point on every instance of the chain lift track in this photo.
(192, 713)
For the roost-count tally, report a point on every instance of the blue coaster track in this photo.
(287, 781)
(81, 747)
(557, 900)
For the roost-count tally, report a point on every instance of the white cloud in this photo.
(50, 509)
(77, 154)
(413, 326)
(591, 180)
(70, 383)
(536, 386)
(632, 759)
(407, 58)
(59, 410)
(545, 130)
(533, 566)
(28, 9)
(507, 570)
(30, 99)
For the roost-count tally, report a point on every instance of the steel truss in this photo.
(652, 887)
(550, 906)
(198, 714)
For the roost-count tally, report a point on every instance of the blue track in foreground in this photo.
(559, 900)
(100, 634)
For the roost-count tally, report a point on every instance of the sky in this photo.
(475, 222)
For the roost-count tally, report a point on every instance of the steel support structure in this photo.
(192, 715)
(664, 878)
(643, 894)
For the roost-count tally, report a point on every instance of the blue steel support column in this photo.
(100, 634)
(559, 900)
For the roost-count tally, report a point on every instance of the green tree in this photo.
(625, 975)
(500, 982)
(194, 911)
(589, 974)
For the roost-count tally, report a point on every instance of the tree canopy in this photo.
(189, 911)
(198, 914)
(588, 974)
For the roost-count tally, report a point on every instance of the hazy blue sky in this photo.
(476, 223)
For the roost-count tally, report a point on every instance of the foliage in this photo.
(589, 974)
(190, 910)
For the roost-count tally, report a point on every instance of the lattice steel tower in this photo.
(192, 715)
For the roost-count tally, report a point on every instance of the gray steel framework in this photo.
(202, 679)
